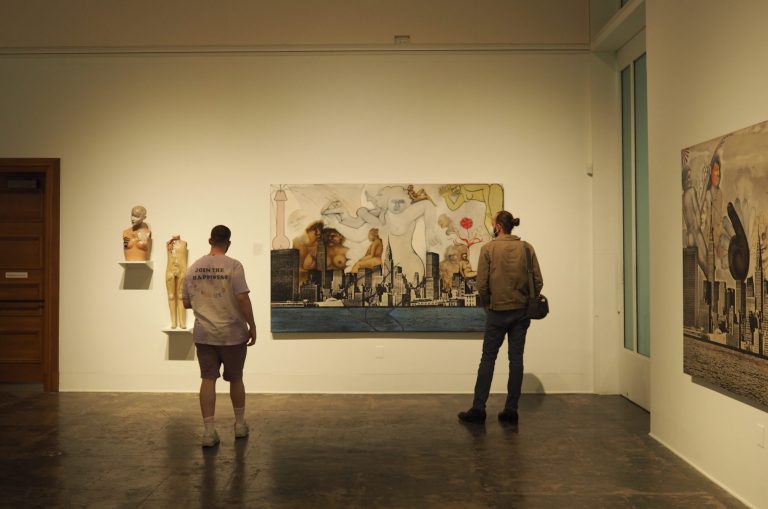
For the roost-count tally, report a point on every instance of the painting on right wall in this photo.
(725, 257)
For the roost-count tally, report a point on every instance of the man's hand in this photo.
(245, 307)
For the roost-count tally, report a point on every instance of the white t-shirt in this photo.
(211, 286)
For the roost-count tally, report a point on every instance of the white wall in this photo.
(198, 139)
(706, 77)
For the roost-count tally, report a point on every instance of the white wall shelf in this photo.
(136, 275)
(141, 265)
(181, 346)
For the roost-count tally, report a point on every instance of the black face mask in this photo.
(495, 231)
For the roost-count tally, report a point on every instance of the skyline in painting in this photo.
(378, 257)
(725, 289)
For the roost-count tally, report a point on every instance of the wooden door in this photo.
(29, 271)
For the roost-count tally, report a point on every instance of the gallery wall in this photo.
(198, 139)
(699, 87)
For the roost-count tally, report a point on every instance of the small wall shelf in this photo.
(181, 347)
(136, 275)
(142, 265)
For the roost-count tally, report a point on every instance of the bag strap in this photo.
(529, 268)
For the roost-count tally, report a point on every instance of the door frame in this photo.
(50, 167)
(634, 368)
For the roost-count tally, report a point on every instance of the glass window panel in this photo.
(642, 251)
(628, 209)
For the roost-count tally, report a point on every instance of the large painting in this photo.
(379, 257)
(725, 255)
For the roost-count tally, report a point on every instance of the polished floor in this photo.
(400, 451)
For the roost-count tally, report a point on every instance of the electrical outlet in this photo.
(760, 435)
(379, 352)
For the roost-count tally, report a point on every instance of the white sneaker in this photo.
(241, 430)
(210, 439)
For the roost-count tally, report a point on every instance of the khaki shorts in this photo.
(211, 357)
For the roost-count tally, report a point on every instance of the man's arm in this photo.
(483, 277)
(185, 294)
(538, 279)
(244, 301)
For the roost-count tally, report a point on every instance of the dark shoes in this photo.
(472, 415)
(475, 415)
(508, 416)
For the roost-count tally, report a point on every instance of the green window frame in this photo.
(635, 206)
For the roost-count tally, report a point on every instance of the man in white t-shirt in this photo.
(216, 291)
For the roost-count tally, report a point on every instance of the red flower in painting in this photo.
(471, 238)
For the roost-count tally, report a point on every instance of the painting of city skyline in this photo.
(378, 257)
(725, 255)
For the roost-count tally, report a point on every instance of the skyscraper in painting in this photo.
(760, 290)
(285, 275)
(690, 273)
(321, 263)
(741, 312)
(432, 276)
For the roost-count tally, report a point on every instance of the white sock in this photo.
(239, 415)
(208, 424)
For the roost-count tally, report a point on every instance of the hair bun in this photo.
(516, 221)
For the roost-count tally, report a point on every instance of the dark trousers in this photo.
(497, 325)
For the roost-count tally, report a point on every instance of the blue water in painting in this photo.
(378, 319)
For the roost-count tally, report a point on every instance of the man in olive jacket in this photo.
(502, 285)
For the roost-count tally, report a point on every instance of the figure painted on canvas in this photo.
(491, 195)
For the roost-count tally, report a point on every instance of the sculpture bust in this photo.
(137, 240)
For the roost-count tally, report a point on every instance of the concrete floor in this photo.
(142, 450)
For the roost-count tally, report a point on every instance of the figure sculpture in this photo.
(137, 240)
(178, 257)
